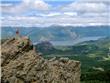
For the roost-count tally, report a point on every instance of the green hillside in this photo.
(93, 55)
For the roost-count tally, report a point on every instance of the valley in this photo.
(90, 45)
(93, 55)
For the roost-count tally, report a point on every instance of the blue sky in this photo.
(53, 2)
(54, 12)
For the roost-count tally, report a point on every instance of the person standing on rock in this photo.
(19, 41)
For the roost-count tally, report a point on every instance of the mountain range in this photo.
(62, 34)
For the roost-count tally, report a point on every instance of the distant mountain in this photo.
(58, 33)
(45, 47)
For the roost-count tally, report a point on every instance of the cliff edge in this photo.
(21, 64)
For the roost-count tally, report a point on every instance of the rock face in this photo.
(21, 64)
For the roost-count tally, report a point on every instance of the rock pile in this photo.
(21, 64)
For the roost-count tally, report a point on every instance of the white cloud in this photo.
(70, 13)
(86, 7)
(51, 14)
(57, 14)
(59, 20)
(96, 1)
(6, 4)
(105, 14)
(25, 5)
(41, 5)
(15, 8)
(82, 12)
(89, 11)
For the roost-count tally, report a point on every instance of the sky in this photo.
(31, 13)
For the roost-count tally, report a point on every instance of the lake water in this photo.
(72, 42)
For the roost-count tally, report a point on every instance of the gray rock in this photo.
(24, 65)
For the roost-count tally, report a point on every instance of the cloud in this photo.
(51, 14)
(89, 11)
(104, 14)
(86, 7)
(57, 14)
(71, 13)
(26, 5)
(80, 12)
(95, 1)
(57, 20)
(41, 5)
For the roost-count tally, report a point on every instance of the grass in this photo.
(95, 81)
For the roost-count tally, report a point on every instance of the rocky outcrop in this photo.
(21, 64)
